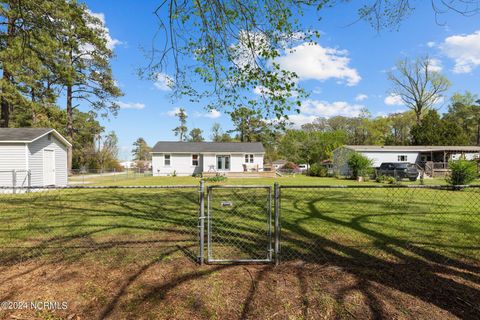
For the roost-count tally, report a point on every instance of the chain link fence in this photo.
(100, 176)
(118, 224)
(378, 224)
(366, 224)
(15, 181)
(239, 224)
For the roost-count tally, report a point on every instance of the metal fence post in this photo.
(276, 213)
(29, 180)
(201, 221)
(14, 180)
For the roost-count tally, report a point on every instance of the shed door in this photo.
(48, 167)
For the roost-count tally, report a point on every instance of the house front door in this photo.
(223, 163)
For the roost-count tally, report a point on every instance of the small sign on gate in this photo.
(226, 204)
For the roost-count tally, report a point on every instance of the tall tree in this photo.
(181, 130)
(418, 84)
(216, 132)
(427, 132)
(88, 76)
(141, 150)
(107, 151)
(248, 124)
(465, 111)
(218, 135)
(28, 52)
(196, 135)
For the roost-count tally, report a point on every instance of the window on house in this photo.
(195, 160)
(249, 158)
(167, 160)
(402, 158)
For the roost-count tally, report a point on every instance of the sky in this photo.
(344, 72)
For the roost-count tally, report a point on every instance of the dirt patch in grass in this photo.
(163, 288)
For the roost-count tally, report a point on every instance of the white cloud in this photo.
(361, 97)
(314, 62)
(393, 100)
(431, 44)
(312, 109)
(212, 114)
(435, 65)
(163, 82)
(299, 120)
(131, 105)
(111, 42)
(174, 111)
(464, 50)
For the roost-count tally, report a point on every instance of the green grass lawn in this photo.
(285, 180)
(317, 224)
(135, 248)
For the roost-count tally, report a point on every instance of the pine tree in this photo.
(181, 130)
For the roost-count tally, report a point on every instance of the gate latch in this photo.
(226, 204)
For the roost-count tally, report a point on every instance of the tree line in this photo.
(55, 58)
(315, 141)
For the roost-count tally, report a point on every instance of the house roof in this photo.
(188, 147)
(28, 135)
(414, 148)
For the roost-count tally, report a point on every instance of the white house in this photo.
(432, 159)
(42, 151)
(189, 158)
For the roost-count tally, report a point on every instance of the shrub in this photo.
(386, 179)
(462, 172)
(317, 170)
(359, 164)
(290, 166)
(216, 178)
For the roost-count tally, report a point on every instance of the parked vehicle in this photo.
(303, 167)
(398, 170)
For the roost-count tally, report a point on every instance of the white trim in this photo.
(205, 152)
(229, 161)
(27, 157)
(198, 159)
(169, 159)
(55, 132)
(58, 135)
(250, 159)
(54, 166)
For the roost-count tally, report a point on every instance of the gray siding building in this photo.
(40, 151)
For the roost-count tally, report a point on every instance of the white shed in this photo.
(40, 151)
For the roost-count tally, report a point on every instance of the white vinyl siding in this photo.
(12, 157)
(180, 164)
(36, 160)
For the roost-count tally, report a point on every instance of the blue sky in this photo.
(344, 72)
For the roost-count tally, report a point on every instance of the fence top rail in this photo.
(251, 186)
(443, 187)
(104, 187)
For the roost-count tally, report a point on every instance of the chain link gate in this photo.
(239, 224)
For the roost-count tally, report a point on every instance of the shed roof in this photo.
(27, 135)
(414, 148)
(187, 147)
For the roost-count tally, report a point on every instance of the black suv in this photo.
(398, 170)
